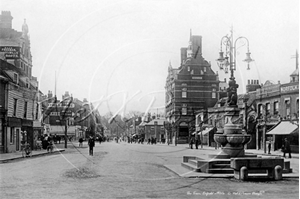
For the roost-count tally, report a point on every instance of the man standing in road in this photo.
(91, 143)
(287, 148)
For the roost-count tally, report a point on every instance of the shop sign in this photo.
(290, 88)
(11, 52)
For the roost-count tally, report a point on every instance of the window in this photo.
(276, 108)
(11, 137)
(15, 107)
(29, 72)
(214, 93)
(37, 111)
(27, 83)
(268, 108)
(184, 93)
(297, 106)
(25, 110)
(188, 68)
(184, 109)
(287, 107)
(204, 68)
(16, 78)
(260, 110)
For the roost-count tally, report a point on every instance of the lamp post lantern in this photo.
(230, 61)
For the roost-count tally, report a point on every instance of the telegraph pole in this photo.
(66, 130)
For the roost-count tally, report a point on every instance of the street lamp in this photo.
(232, 129)
(230, 61)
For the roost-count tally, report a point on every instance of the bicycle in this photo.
(26, 150)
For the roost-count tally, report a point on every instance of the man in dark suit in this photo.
(91, 143)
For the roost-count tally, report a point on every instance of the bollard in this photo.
(244, 173)
(278, 172)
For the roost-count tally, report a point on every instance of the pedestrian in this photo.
(80, 141)
(196, 143)
(191, 142)
(91, 143)
(287, 148)
(269, 147)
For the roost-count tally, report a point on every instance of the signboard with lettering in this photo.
(289, 88)
(11, 52)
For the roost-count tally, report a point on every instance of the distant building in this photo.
(79, 117)
(155, 129)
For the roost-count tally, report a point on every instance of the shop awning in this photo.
(284, 128)
(204, 132)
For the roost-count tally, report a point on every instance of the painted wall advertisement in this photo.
(10, 52)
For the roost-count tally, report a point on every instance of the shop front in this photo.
(285, 129)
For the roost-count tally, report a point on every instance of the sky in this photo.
(116, 53)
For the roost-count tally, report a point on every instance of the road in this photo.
(122, 170)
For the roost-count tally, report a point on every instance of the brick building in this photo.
(189, 88)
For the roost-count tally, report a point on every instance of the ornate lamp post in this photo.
(230, 61)
(232, 140)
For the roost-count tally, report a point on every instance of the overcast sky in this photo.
(101, 49)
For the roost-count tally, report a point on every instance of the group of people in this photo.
(47, 142)
(151, 140)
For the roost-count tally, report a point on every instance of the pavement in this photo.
(7, 157)
(176, 167)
